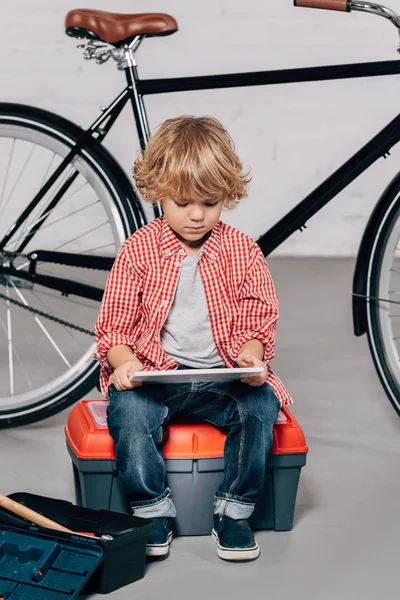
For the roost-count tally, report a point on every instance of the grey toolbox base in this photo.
(193, 484)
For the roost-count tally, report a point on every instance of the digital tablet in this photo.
(194, 375)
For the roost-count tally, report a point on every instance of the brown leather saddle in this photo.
(116, 28)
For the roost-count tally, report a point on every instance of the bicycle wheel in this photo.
(46, 365)
(383, 288)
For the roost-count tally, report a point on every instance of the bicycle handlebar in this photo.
(350, 5)
(343, 5)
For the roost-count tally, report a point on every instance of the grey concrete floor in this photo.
(345, 542)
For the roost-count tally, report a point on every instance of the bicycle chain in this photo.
(41, 313)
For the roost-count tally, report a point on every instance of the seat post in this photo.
(125, 56)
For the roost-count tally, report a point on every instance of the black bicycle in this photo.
(66, 207)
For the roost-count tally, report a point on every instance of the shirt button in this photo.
(164, 303)
(178, 264)
(167, 252)
(213, 256)
(181, 252)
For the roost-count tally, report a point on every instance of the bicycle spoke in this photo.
(43, 328)
(17, 355)
(15, 241)
(49, 212)
(51, 340)
(78, 237)
(78, 210)
(97, 248)
(7, 173)
(30, 225)
(45, 307)
(19, 178)
(48, 170)
(10, 344)
(76, 191)
(45, 215)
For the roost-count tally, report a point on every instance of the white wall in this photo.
(293, 136)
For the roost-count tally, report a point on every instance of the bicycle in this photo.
(50, 263)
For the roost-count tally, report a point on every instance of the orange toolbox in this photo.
(193, 455)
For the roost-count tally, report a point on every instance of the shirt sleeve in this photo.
(258, 308)
(119, 308)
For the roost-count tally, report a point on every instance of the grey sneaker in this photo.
(160, 538)
(234, 539)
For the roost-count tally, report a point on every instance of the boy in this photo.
(188, 291)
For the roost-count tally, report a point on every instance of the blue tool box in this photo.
(49, 565)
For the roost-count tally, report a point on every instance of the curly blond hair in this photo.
(191, 156)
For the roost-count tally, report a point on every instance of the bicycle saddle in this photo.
(115, 28)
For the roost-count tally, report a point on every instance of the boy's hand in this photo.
(123, 373)
(248, 360)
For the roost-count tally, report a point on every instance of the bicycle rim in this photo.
(384, 314)
(41, 360)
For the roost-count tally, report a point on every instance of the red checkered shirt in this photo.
(241, 298)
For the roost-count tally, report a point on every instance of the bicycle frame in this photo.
(359, 162)
(136, 89)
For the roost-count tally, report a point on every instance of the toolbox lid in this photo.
(87, 435)
(34, 565)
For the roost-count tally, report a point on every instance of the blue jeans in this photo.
(136, 419)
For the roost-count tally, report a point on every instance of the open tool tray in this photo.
(34, 565)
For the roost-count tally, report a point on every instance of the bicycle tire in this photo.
(383, 285)
(118, 201)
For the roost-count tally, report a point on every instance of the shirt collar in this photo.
(170, 245)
